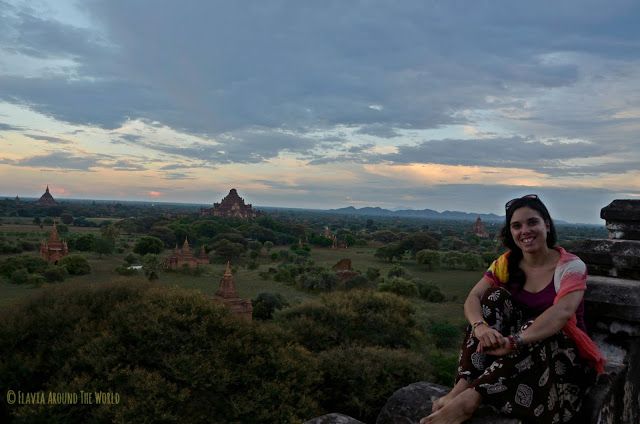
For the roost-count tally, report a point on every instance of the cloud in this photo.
(7, 127)
(383, 67)
(59, 160)
(50, 139)
(178, 176)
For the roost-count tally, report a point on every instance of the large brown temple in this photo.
(54, 249)
(228, 295)
(47, 199)
(232, 206)
(479, 229)
(185, 257)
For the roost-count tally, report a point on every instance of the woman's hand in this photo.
(489, 338)
(503, 349)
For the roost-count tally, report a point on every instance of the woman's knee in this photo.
(494, 296)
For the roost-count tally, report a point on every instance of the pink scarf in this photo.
(570, 275)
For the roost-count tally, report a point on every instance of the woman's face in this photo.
(529, 230)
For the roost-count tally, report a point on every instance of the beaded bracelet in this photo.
(476, 325)
(515, 342)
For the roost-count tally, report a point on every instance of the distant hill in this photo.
(424, 213)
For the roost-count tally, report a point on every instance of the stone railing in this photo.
(612, 308)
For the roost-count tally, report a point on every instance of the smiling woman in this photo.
(526, 351)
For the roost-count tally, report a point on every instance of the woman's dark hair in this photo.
(516, 275)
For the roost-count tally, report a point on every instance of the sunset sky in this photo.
(446, 105)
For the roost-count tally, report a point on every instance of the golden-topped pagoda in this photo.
(231, 206)
(228, 295)
(47, 199)
(54, 249)
(185, 257)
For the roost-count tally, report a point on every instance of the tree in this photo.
(390, 252)
(265, 304)
(84, 242)
(148, 244)
(227, 250)
(197, 362)
(430, 258)
(110, 232)
(75, 264)
(268, 245)
(151, 266)
(363, 317)
(66, 218)
(399, 286)
(104, 246)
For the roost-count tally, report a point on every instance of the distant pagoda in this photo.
(231, 206)
(479, 229)
(185, 257)
(47, 199)
(228, 296)
(54, 249)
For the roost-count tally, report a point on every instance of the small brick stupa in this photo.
(231, 206)
(47, 199)
(54, 249)
(228, 295)
(185, 257)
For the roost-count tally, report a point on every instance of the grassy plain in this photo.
(454, 284)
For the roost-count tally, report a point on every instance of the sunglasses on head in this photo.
(512, 201)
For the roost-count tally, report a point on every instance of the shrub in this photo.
(19, 276)
(360, 317)
(172, 355)
(316, 279)
(357, 381)
(358, 282)
(399, 286)
(76, 264)
(445, 335)
(444, 368)
(54, 273)
(132, 258)
(125, 270)
(430, 292)
(148, 244)
(398, 271)
(373, 274)
(32, 264)
(83, 242)
(266, 304)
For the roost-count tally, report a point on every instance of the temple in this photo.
(47, 199)
(232, 206)
(185, 258)
(479, 229)
(228, 295)
(54, 249)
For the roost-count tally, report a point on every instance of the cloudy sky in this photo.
(458, 105)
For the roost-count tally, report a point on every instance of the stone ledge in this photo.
(621, 210)
(614, 258)
(613, 298)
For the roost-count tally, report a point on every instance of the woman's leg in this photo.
(499, 313)
(544, 382)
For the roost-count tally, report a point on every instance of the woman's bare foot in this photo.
(458, 410)
(460, 387)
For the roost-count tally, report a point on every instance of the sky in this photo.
(446, 105)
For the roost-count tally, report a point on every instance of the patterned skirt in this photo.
(545, 382)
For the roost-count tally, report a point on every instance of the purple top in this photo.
(534, 304)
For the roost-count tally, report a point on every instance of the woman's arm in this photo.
(553, 319)
(547, 324)
(488, 337)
